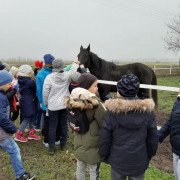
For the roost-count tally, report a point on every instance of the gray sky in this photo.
(116, 29)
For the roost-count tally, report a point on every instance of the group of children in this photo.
(122, 131)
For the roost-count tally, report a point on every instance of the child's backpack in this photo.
(78, 120)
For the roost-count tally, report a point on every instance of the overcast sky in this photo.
(116, 29)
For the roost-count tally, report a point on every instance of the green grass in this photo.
(61, 166)
(167, 98)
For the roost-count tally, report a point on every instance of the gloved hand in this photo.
(16, 87)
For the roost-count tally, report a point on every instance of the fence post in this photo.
(170, 69)
(154, 68)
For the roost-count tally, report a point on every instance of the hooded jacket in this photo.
(39, 84)
(129, 138)
(55, 88)
(172, 127)
(6, 126)
(86, 145)
(28, 100)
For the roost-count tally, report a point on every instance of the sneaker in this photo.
(46, 144)
(27, 176)
(19, 137)
(51, 150)
(63, 147)
(32, 135)
(57, 143)
(38, 129)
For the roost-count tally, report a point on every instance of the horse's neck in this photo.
(95, 65)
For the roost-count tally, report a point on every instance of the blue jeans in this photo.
(25, 122)
(10, 146)
(57, 121)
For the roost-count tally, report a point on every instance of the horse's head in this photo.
(84, 56)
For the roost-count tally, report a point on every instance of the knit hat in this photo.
(2, 67)
(128, 85)
(58, 65)
(13, 71)
(24, 70)
(48, 59)
(6, 66)
(86, 80)
(5, 78)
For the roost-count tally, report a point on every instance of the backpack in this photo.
(78, 120)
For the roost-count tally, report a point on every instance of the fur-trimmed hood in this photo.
(89, 103)
(120, 105)
(81, 98)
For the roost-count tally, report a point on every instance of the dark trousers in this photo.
(45, 130)
(57, 123)
(38, 117)
(116, 176)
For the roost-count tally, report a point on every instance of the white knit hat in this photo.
(24, 70)
(13, 71)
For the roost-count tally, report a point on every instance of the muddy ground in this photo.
(163, 159)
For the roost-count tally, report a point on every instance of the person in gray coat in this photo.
(55, 89)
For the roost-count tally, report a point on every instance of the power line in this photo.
(116, 4)
(127, 9)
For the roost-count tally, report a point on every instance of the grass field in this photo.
(62, 165)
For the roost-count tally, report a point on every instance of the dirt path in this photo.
(163, 159)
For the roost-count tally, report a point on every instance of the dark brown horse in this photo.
(104, 70)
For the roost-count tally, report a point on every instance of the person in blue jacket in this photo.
(172, 128)
(40, 77)
(8, 129)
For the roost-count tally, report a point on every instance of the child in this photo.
(15, 94)
(172, 127)
(55, 89)
(7, 129)
(129, 137)
(86, 145)
(28, 103)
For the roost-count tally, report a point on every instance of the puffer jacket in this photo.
(28, 100)
(56, 85)
(39, 84)
(6, 126)
(129, 137)
(172, 127)
(86, 145)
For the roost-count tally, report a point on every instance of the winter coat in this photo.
(6, 126)
(129, 137)
(10, 94)
(55, 88)
(172, 127)
(86, 145)
(28, 100)
(39, 84)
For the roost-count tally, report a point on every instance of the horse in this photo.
(104, 70)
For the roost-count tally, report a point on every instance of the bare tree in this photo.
(173, 35)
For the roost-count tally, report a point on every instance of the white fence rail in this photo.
(170, 69)
(145, 86)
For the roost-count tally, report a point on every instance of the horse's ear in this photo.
(88, 48)
(81, 48)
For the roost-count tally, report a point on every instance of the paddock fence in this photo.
(145, 86)
(171, 68)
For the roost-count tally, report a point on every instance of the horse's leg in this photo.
(143, 93)
(103, 91)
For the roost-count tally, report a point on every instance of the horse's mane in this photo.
(101, 62)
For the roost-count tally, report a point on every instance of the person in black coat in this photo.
(129, 136)
(172, 128)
